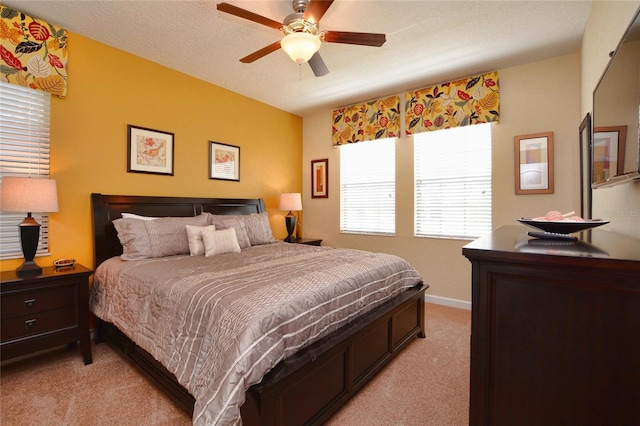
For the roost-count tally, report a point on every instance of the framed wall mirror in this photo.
(585, 167)
(615, 149)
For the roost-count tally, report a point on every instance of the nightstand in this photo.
(45, 310)
(307, 241)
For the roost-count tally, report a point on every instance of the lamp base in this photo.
(29, 235)
(290, 222)
(29, 267)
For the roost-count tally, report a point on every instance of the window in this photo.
(453, 182)
(24, 151)
(368, 187)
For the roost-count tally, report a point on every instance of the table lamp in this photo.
(293, 202)
(28, 194)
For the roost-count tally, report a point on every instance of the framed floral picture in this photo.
(149, 151)
(320, 178)
(224, 161)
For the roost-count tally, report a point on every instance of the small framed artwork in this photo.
(608, 152)
(320, 178)
(224, 161)
(585, 167)
(149, 151)
(534, 163)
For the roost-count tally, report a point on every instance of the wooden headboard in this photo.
(106, 208)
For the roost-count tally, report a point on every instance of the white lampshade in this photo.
(26, 195)
(300, 46)
(290, 201)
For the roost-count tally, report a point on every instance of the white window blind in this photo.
(453, 182)
(368, 187)
(24, 151)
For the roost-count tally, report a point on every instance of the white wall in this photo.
(606, 25)
(538, 97)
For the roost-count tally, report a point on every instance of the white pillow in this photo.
(137, 216)
(220, 242)
(196, 243)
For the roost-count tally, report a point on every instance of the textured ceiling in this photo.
(427, 42)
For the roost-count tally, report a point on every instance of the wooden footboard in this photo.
(310, 386)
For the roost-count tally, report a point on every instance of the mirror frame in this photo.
(618, 178)
(585, 167)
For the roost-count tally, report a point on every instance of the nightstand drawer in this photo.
(31, 302)
(28, 325)
(41, 311)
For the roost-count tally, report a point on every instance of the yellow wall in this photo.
(109, 89)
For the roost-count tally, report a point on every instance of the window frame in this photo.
(474, 198)
(25, 117)
(362, 214)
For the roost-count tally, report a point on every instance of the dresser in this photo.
(45, 310)
(555, 332)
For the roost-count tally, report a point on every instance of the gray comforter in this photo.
(221, 323)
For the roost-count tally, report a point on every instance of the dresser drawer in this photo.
(31, 302)
(29, 325)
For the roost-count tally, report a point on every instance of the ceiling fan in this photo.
(302, 37)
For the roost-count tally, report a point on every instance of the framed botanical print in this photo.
(224, 161)
(149, 151)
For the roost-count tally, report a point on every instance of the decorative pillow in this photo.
(168, 235)
(134, 239)
(235, 222)
(194, 235)
(258, 228)
(220, 242)
(137, 216)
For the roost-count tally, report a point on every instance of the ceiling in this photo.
(428, 42)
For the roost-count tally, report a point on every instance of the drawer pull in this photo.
(30, 303)
(30, 324)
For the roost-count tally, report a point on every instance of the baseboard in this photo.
(446, 301)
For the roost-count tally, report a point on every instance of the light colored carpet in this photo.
(427, 384)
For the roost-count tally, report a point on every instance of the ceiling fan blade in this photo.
(234, 10)
(260, 53)
(318, 66)
(363, 39)
(315, 10)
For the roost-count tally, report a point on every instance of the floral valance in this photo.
(33, 53)
(472, 100)
(375, 119)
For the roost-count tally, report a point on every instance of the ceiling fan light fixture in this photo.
(300, 46)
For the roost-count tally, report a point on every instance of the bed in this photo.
(304, 383)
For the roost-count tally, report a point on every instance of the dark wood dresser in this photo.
(555, 334)
(45, 310)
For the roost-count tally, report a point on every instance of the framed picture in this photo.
(224, 161)
(608, 152)
(534, 163)
(585, 167)
(149, 151)
(320, 178)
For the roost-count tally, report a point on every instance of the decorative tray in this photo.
(562, 226)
